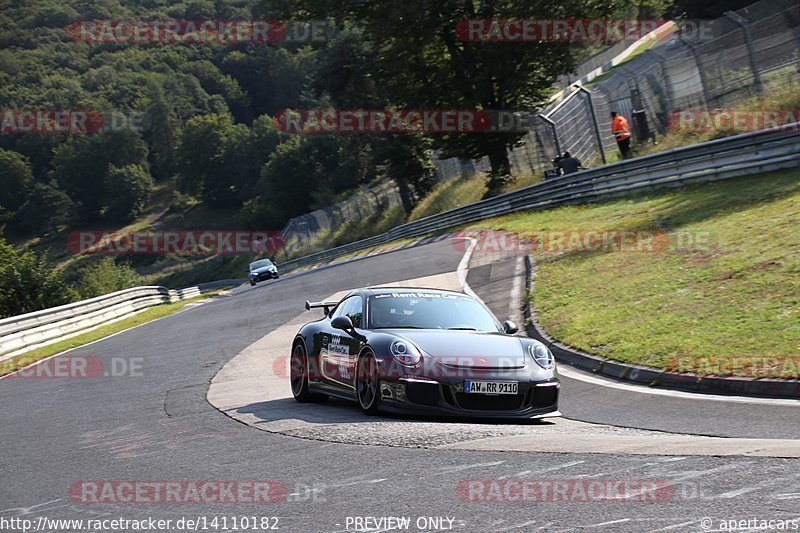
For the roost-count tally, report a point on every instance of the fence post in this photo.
(751, 53)
(555, 131)
(700, 68)
(528, 145)
(667, 81)
(599, 138)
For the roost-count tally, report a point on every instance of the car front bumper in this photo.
(414, 395)
(264, 276)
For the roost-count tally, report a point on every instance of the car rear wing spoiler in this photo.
(325, 305)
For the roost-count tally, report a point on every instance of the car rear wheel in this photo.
(367, 382)
(298, 375)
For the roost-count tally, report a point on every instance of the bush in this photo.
(28, 284)
(105, 277)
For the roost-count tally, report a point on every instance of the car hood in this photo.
(474, 349)
(262, 270)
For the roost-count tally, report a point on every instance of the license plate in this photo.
(490, 387)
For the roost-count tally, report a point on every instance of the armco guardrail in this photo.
(24, 332)
(739, 155)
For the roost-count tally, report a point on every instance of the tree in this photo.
(420, 63)
(201, 154)
(304, 173)
(246, 152)
(221, 161)
(80, 168)
(45, 209)
(38, 149)
(15, 177)
(132, 185)
(274, 78)
(708, 9)
(215, 82)
(407, 160)
(343, 77)
(162, 134)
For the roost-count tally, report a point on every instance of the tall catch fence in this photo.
(722, 63)
(361, 205)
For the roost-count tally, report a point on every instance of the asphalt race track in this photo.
(157, 425)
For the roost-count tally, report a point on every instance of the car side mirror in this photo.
(509, 327)
(345, 324)
(342, 322)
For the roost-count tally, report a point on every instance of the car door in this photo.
(338, 349)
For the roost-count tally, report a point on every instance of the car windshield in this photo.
(260, 264)
(429, 310)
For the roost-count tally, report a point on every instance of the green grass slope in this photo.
(727, 286)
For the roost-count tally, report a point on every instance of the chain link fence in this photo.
(740, 57)
(361, 205)
(743, 55)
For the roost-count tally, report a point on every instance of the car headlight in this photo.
(542, 356)
(405, 352)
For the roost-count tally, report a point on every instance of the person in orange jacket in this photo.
(619, 127)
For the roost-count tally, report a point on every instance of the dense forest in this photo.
(204, 111)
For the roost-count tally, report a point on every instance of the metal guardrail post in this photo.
(599, 137)
(751, 53)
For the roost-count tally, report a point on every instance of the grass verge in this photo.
(148, 315)
(726, 288)
(780, 99)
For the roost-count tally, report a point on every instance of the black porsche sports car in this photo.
(422, 351)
